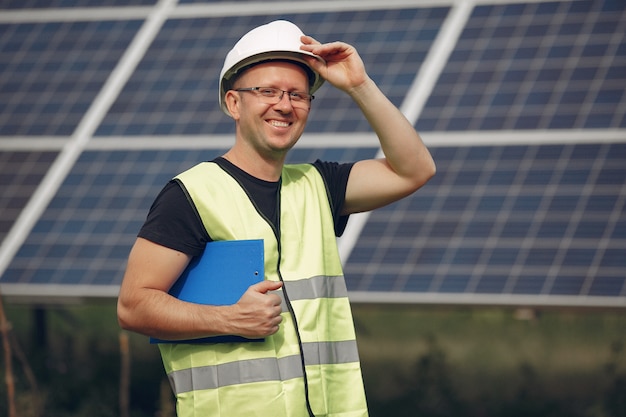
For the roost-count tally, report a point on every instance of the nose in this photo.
(284, 102)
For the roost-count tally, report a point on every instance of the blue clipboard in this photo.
(220, 276)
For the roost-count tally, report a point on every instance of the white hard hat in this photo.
(278, 40)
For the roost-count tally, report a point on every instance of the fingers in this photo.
(311, 45)
(309, 40)
(274, 324)
(265, 286)
(269, 318)
(259, 311)
(273, 318)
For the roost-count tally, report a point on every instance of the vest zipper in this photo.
(276, 231)
(289, 306)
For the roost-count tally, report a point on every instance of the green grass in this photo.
(417, 361)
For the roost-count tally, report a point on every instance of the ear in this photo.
(232, 99)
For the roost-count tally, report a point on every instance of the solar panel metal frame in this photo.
(84, 140)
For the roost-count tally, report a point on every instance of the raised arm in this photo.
(407, 163)
(145, 307)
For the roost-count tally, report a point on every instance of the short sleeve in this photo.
(174, 222)
(335, 176)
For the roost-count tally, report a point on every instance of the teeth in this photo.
(279, 123)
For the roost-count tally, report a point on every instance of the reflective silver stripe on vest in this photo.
(240, 372)
(324, 353)
(312, 288)
(264, 369)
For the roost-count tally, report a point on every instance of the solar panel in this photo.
(529, 220)
(175, 88)
(538, 221)
(85, 234)
(557, 65)
(51, 72)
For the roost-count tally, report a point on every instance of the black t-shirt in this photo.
(174, 222)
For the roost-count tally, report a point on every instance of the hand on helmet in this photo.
(343, 67)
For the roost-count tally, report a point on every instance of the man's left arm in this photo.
(407, 164)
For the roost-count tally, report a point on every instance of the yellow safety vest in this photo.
(266, 379)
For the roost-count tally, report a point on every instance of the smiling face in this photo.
(269, 130)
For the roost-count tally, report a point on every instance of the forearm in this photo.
(155, 313)
(402, 146)
(404, 150)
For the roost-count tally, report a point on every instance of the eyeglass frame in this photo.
(307, 99)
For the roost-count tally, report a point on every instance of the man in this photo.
(307, 364)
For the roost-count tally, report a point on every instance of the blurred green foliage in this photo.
(417, 361)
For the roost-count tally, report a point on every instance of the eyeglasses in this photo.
(270, 95)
